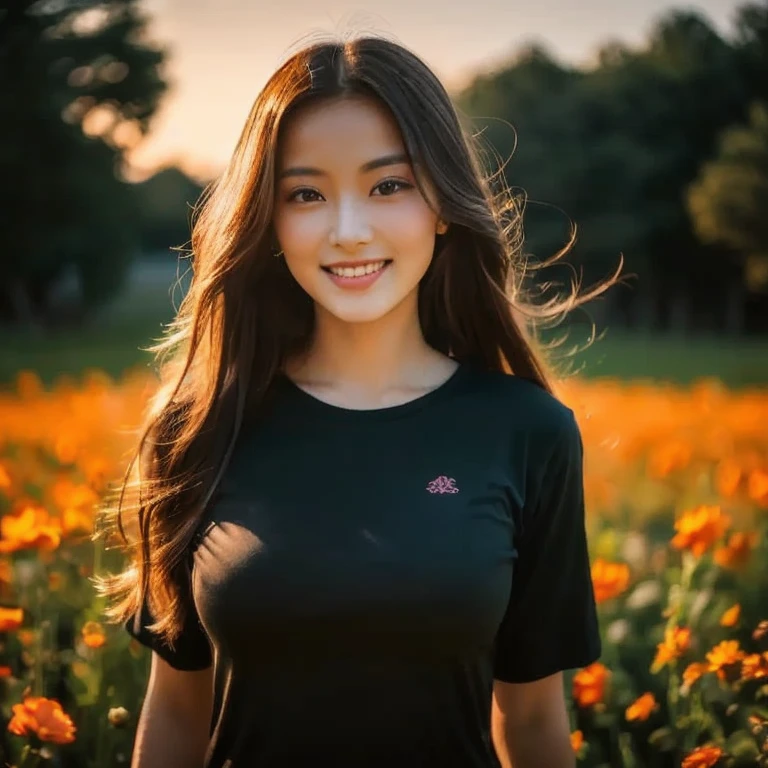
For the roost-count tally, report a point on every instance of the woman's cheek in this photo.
(302, 231)
(409, 220)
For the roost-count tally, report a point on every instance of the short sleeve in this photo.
(191, 650)
(551, 621)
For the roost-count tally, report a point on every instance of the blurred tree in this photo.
(751, 40)
(165, 205)
(80, 82)
(729, 199)
(615, 146)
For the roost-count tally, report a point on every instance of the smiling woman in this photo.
(355, 479)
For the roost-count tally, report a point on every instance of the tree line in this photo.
(658, 154)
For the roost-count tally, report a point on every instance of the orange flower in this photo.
(699, 529)
(43, 717)
(731, 617)
(738, 549)
(758, 486)
(577, 741)
(676, 642)
(754, 666)
(693, 672)
(641, 708)
(5, 671)
(10, 619)
(724, 655)
(31, 528)
(609, 579)
(589, 684)
(702, 757)
(93, 634)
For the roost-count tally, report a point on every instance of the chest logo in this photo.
(442, 484)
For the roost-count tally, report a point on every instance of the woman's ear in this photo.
(442, 227)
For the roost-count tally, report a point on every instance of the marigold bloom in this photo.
(676, 642)
(577, 741)
(589, 684)
(731, 617)
(5, 671)
(693, 672)
(702, 757)
(11, 619)
(609, 579)
(737, 550)
(43, 717)
(699, 529)
(724, 655)
(641, 708)
(93, 634)
(754, 666)
(31, 528)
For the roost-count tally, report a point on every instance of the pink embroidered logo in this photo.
(442, 484)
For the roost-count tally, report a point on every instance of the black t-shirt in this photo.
(364, 575)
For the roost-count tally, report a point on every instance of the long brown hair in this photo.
(244, 315)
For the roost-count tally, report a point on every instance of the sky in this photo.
(223, 51)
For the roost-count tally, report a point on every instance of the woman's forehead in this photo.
(349, 131)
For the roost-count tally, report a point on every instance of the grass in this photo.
(112, 343)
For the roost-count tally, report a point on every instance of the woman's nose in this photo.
(351, 227)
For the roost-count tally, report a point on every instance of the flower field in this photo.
(677, 503)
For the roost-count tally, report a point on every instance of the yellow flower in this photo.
(676, 642)
(724, 655)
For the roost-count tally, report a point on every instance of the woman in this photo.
(360, 536)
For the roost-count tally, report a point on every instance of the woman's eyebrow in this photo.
(371, 165)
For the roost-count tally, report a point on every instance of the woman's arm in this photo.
(529, 724)
(174, 725)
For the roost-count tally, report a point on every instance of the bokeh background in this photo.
(645, 124)
(642, 123)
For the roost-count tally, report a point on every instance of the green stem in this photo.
(30, 758)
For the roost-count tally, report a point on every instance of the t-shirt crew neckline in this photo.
(323, 408)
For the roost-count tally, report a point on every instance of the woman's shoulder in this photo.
(523, 401)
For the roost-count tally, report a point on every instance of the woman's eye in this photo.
(296, 195)
(390, 186)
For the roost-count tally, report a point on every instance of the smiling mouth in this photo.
(361, 271)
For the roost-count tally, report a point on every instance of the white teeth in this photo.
(357, 271)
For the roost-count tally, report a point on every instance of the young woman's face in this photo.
(356, 232)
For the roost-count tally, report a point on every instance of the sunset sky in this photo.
(223, 51)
